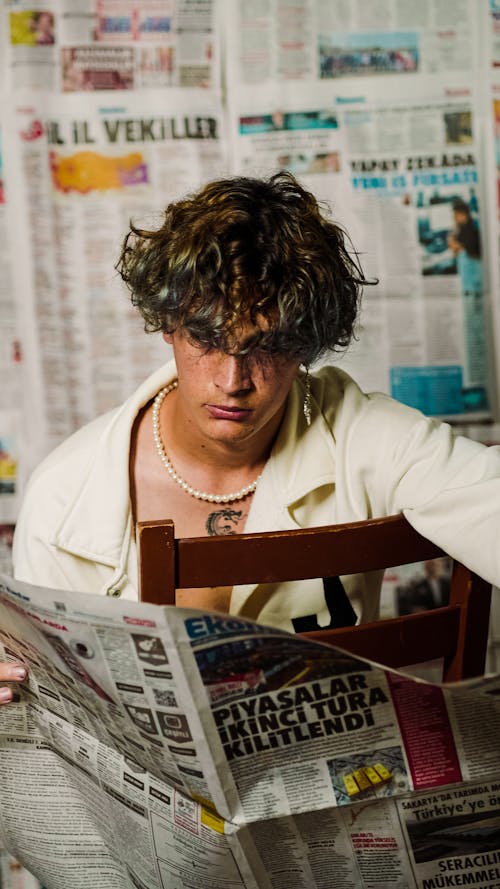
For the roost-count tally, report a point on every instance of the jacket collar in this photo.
(96, 524)
(302, 460)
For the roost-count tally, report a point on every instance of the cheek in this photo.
(194, 367)
(281, 383)
(286, 375)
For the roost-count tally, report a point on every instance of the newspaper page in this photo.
(280, 39)
(158, 747)
(82, 45)
(384, 123)
(11, 402)
(398, 171)
(432, 295)
(493, 156)
(494, 22)
(83, 169)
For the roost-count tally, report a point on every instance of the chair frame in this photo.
(457, 632)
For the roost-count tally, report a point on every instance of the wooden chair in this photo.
(458, 632)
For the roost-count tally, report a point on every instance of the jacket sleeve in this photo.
(35, 559)
(447, 486)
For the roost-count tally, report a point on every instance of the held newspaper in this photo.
(157, 747)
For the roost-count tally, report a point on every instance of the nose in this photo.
(233, 375)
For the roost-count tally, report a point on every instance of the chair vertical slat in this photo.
(473, 596)
(156, 552)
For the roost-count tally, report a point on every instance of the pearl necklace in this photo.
(199, 495)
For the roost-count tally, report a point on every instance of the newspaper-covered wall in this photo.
(157, 747)
(111, 108)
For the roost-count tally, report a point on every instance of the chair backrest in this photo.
(457, 632)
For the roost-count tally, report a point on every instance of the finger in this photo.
(12, 672)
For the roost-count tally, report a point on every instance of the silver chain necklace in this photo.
(199, 495)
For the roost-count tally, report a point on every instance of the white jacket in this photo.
(362, 456)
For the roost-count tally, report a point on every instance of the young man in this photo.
(249, 283)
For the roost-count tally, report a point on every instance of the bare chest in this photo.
(155, 495)
(159, 497)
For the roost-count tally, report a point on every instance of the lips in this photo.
(226, 412)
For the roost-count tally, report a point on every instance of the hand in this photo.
(10, 672)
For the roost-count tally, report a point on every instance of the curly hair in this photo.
(245, 250)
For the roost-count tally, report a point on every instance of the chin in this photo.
(228, 430)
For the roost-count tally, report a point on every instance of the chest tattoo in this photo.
(224, 521)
